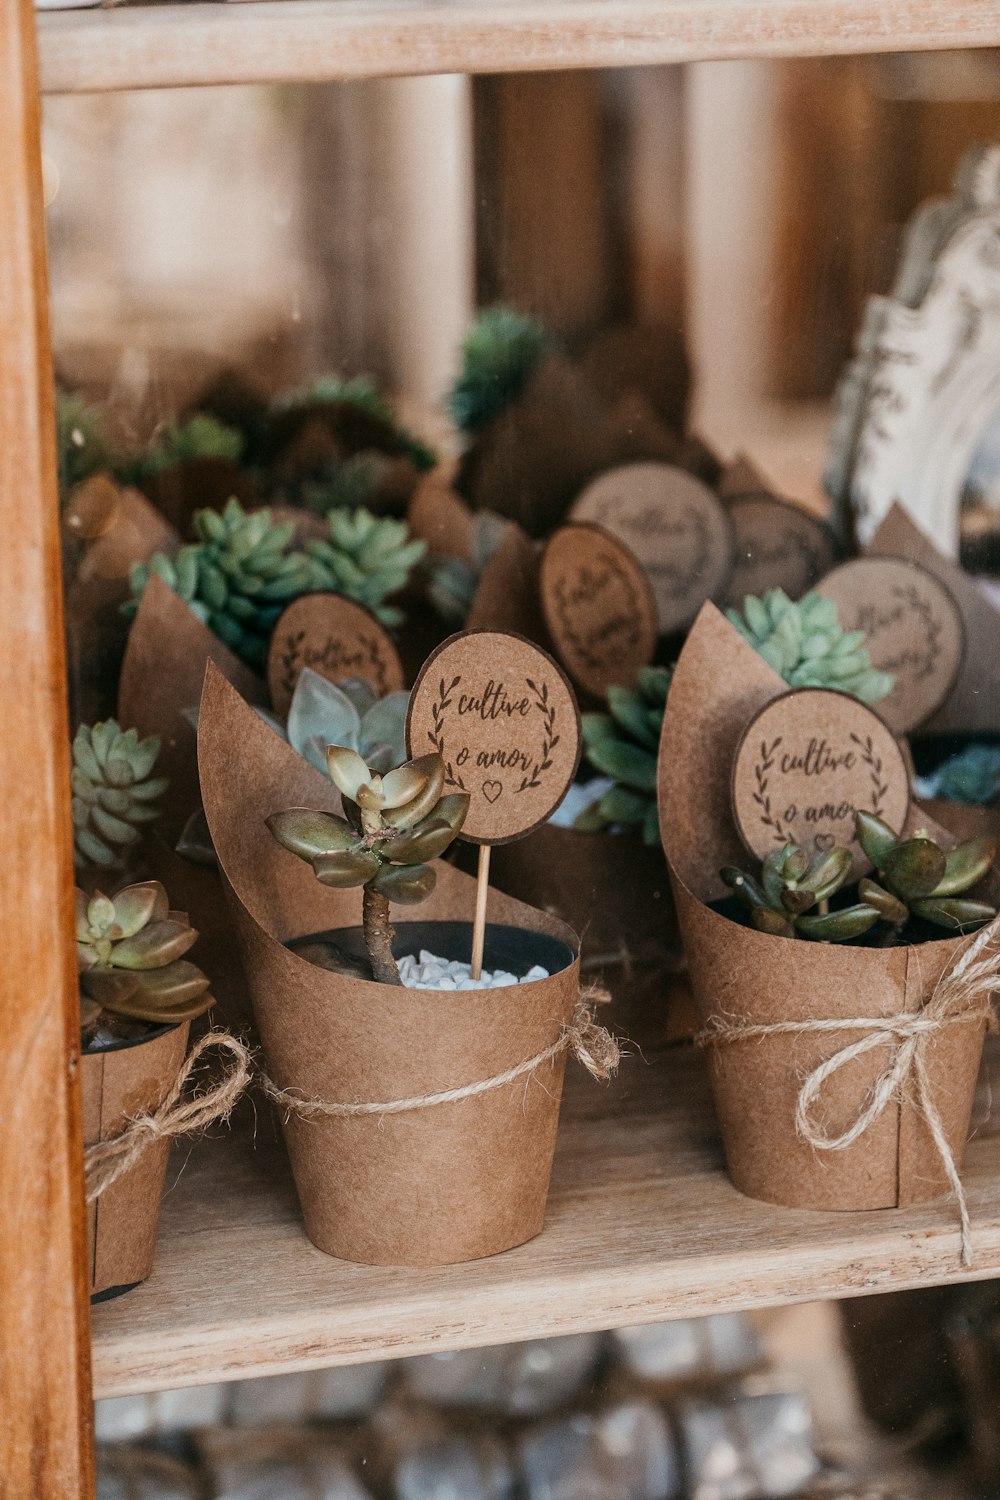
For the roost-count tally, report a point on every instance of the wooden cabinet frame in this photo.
(45, 1415)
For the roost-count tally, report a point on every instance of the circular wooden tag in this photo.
(806, 762)
(674, 524)
(778, 546)
(599, 607)
(913, 629)
(503, 715)
(337, 638)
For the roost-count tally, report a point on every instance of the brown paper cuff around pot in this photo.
(427, 1187)
(748, 977)
(122, 1222)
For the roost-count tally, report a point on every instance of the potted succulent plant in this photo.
(844, 1018)
(363, 1027)
(138, 995)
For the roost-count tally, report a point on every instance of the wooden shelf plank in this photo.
(643, 1225)
(154, 46)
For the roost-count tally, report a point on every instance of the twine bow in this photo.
(106, 1161)
(961, 997)
(589, 1043)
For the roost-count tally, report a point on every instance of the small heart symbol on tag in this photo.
(492, 790)
(824, 841)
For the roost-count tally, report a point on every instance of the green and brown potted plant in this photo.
(138, 996)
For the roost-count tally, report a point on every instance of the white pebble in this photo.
(428, 972)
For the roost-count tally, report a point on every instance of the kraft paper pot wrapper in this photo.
(427, 1187)
(751, 977)
(118, 1084)
(614, 891)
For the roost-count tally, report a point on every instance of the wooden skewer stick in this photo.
(479, 925)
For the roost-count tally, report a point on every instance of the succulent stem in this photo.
(378, 936)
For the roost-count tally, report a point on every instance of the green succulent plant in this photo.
(130, 955)
(623, 744)
(805, 644)
(792, 883)
(915, 875)
(394, 824)
(499, 352)
(195, 437)
(367, 557)
(347, 713)
(237, 577)
(81, 447)
(451, 581)
(971, 776)
(359, 391)
(114, 794)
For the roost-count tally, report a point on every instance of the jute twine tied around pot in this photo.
(963, 996)
(590, 1044)
(106, 1161)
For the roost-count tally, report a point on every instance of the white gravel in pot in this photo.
(428, 972)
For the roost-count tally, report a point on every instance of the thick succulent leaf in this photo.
(651, 827)
(795, 900)
(405, 884)
(135, 906)
(620, 804)
(838, 926)
(749, 891)
(92, 850)
(629, 710)
(965, 865)
(773, 873)
(875, 837)
(348, 771)
(428, 840)
(100, 913)
(914, 869)
(82, 921)
(115, 830)
(425, 802)
(766, 919)
(384, 724)
(370, 797)
(107, 986)
(401, 786)
(888, 906)
(157, 945)
(86, 956)
(343, 870)
(84, 755)
(953, 911)
(321, 711)
(627, 763)
(827, 873)
(307, 831)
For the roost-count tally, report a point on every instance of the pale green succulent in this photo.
(916, 875)
(195, 437)
(792, 883)
(451, 581)
(237, 577)
(805, 644)
(130, 956)
(114, 794)
(499, 352)
(347, 713)
(623, 744)
(367, 558)
(971, 776)
(394, 824)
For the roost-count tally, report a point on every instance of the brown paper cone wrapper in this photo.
(197, 483)
(750, 977)
(121, 1223)
(427, 1187)
(963, 819)
(613, 890)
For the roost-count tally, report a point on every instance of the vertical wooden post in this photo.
(45, 1443)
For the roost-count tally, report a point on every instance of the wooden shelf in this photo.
(155, 46)
(643, 1225)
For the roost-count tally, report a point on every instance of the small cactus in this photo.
(805, 644)
(623, 744)
(394, 824)
(237, 577)
(499, 353)
(916, 875)
(114, 793)
(367, 558)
